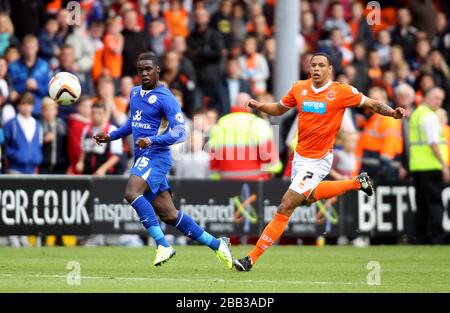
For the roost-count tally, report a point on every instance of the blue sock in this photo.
(190, 228)
(148, 218)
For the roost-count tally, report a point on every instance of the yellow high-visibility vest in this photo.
(421, 156)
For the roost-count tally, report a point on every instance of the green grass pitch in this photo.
(196, 269)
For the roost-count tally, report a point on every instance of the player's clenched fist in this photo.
(143, 142)
(399, 113)
(252, 103)
(101, 138)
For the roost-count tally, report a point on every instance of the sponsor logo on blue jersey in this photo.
(314, 107)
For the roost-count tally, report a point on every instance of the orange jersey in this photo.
(320, 114)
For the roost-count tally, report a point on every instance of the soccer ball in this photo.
(64, 88)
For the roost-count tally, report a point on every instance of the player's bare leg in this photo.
(291, 200)
(134, 194)
(166, 210)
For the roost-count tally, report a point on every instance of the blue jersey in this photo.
(154, 114)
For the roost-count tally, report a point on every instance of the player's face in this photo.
(320, 70)
(148, 72)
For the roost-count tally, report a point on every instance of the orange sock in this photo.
(329, 189)
(270, 234)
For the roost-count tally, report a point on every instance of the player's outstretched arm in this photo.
(121, 132)
(274, 108)
(382, 108)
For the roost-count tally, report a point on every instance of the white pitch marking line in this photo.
(292, 282)
(218, 280)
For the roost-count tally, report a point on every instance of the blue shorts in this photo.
(154, 172)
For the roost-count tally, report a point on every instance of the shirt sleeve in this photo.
(350, 97)
(431, 127)
(123, 131)
(176, 132)
(289, 101)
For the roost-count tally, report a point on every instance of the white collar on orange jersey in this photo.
(324, 87)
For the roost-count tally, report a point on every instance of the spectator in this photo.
(380, 145)
(359, 29)
(441, 41)
(423, 49)
(126, 85)
(222, 22)
(242, 147)
(389, 81)
(113, 47)
(232, 85)
(439, 69)
(7, 111)
(135, 42)
(361, 66)
(157, 37)
(24, 139)
(30, 73)
(153, 11)
(340, 54)
(199, 120)
(397, 56)
(309, 31)
(115, 109)
(404, 34)
(424, 82)
(64, 27)
(239, 22)
(428, 165)
(337, 20)
(194, 164)
(83, 52)
(54, 149)
(403, 75)
(77, 122)
(96, 34)
(177, 19)
(344, 160)
(254, 67)
(205, 46)
(50, 42)
(12, 54)
(270, 54)
(375, 70)
(7, 37)
(259, 29)
(179, 45)
(97, 159)
(175, 77)
(383, 47)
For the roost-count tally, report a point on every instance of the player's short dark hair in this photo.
(149, 56)
(323, 54)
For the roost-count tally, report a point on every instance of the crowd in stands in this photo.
(214, 54)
